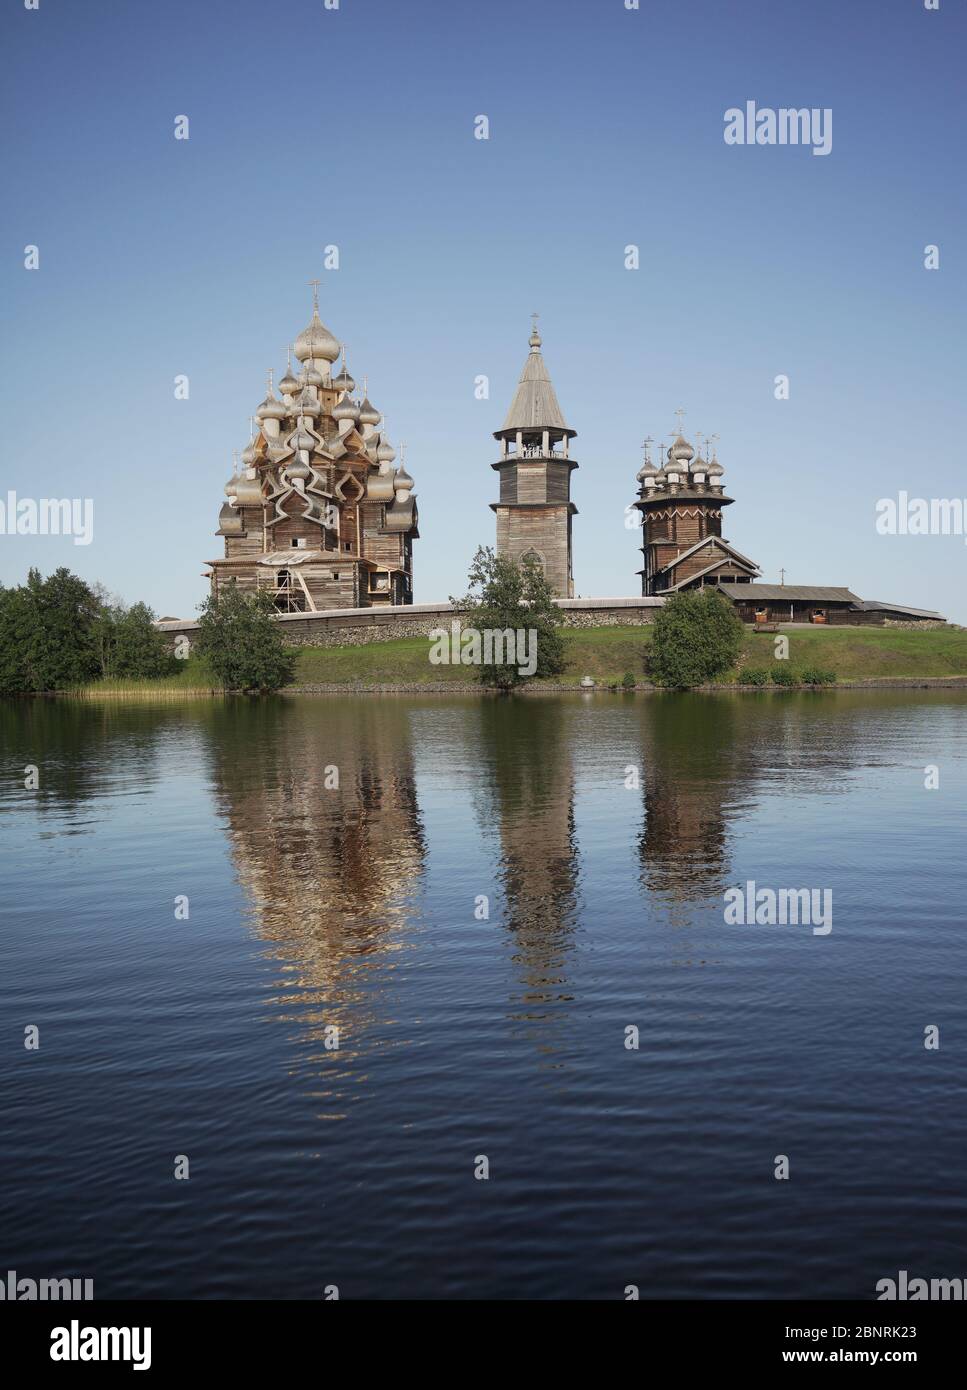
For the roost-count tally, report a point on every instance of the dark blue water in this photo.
(315, 907)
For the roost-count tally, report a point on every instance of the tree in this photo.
(137, 650)
(697, 638)
(242, 641)
(47, 634)
(504, 595)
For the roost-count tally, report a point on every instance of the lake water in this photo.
(357, 908)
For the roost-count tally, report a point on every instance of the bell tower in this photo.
(535, 508)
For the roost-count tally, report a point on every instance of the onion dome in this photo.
(715, 469)
(231, 487)
(310, 377)
(347, 409)
(250, 455)
(297, 472)
(316, 342)
(368, 414)
(302, 440)
(647, 470)
(248, 490)
(681, 450)
(402, 482)
(344, 382)
(385, 453)
(288, 385)
(306, 404)
(271, 409)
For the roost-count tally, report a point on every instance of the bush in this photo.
(242, 642)
(47, 634)
(505, 595)
(628, 681)
(782, 675)
(756, 675)
(817, 675)
(129, 645)
(698, 637)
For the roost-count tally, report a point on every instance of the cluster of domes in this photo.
(683, 468)
(316, 412)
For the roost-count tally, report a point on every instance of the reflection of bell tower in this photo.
(535, 508)
(530, 801)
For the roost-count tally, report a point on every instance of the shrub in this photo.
(505, 595)
(243, 643)
(129, 645)
(47, 634)
(755, 675)
(782, 675)
(697, 638)
(628, 681)
(817, 675)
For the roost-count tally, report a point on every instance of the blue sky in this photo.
(354, 127)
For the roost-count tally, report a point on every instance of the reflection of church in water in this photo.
(328, 869)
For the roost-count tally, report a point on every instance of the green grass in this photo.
(857, 653)
(193, 678)
(606, 653)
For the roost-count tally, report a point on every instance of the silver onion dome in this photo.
(316, 342)
(271, 409)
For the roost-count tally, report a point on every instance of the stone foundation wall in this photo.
(914, 625)
(358, 626)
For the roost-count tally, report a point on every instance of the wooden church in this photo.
(317, 516)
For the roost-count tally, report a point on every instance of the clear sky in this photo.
(355, 127)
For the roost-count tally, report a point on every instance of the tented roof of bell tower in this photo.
(535, 405)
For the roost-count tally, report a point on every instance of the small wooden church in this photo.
(681, 504)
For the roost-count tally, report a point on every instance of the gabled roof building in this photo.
(681, 504)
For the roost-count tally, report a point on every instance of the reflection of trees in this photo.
(529, 798)
(84, 749)
(690, 780)
(327, 870)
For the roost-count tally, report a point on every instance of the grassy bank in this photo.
(605, 654)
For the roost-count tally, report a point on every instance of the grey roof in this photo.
(710, 540)
(535, 403)
(809, 592)
(872, 605)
